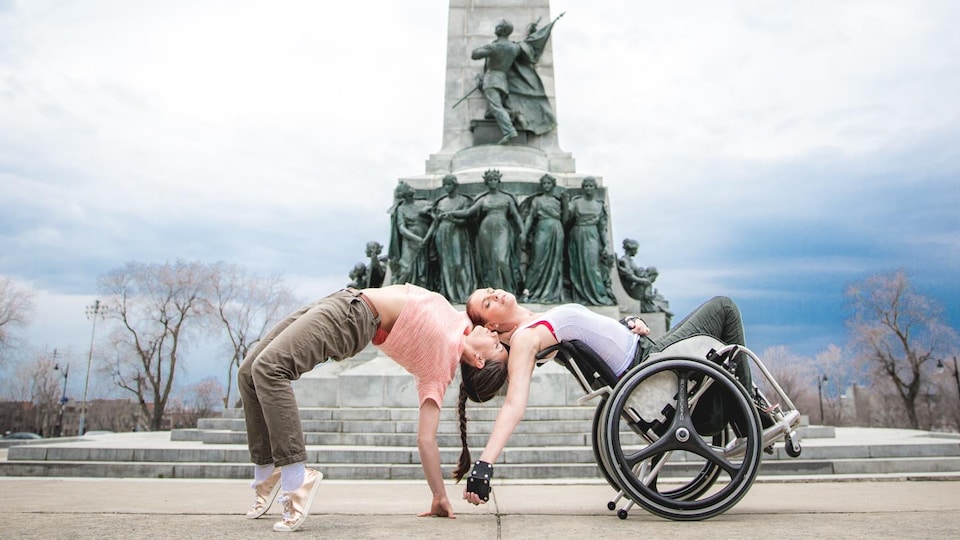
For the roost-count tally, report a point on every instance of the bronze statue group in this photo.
(548, 249)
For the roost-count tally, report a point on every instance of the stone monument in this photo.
(498, 184)
(500, 119)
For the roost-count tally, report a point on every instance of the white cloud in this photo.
(272, 134)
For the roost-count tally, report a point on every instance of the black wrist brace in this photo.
(479, 480)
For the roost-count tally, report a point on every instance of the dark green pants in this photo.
(718, 317)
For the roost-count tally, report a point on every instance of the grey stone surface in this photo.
(320, 386)
(107, 509)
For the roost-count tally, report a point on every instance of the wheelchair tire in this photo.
(643, 463)
(598, 444)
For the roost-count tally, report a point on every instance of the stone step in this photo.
(576, 421)
(505, 471)
(516, 453)
(475, 439)
(380, 443)
(474, 413)
(407, 426)
(315, 454)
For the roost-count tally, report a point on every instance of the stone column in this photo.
(471, 24)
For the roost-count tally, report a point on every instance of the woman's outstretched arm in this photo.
(524, 347)
(430, 459)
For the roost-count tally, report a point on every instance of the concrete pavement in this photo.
(887, 507)
(862, 505)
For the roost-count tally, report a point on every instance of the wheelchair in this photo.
(679, 434)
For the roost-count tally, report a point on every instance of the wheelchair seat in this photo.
(583, 362)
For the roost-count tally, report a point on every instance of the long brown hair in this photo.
(479, 385)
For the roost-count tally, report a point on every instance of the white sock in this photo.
(262, 472)
(292, 476)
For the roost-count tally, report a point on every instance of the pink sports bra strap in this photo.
(548, 325)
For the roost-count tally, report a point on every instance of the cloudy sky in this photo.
(771, 151)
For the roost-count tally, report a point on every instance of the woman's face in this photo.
(485, 346)
(492, 181)
(589, 189)
(450, 186)
(493, 306)
(547, 184)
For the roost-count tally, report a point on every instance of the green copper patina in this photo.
(454, 248)
(515, 95)
(498, 233)
(544, 243)
(587, 248)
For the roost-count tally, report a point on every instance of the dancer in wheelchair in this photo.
(621, 346)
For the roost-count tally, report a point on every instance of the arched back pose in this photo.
(417, 328)
(527, 333)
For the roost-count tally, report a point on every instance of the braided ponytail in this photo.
(479, 385)
(463, 464)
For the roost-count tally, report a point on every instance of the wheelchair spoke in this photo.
(682, 423)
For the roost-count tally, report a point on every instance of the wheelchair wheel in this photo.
(650, 440)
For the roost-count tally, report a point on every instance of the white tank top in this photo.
(612, 341)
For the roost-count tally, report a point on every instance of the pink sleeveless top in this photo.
(427, 341)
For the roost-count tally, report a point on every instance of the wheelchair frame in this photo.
(646, 437)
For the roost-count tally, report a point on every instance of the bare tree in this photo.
(801, 378)
(157, 306)
(199, 400)
(38, 383)
(246, 306)
(791, 372)
(114, 415)
(897, 333)
(16, 308)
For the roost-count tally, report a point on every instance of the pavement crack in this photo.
(496, 512)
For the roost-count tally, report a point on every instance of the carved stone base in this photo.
(488, 132)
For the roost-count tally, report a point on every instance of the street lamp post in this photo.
(94, 310)
(820, 380)
(63, 398)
